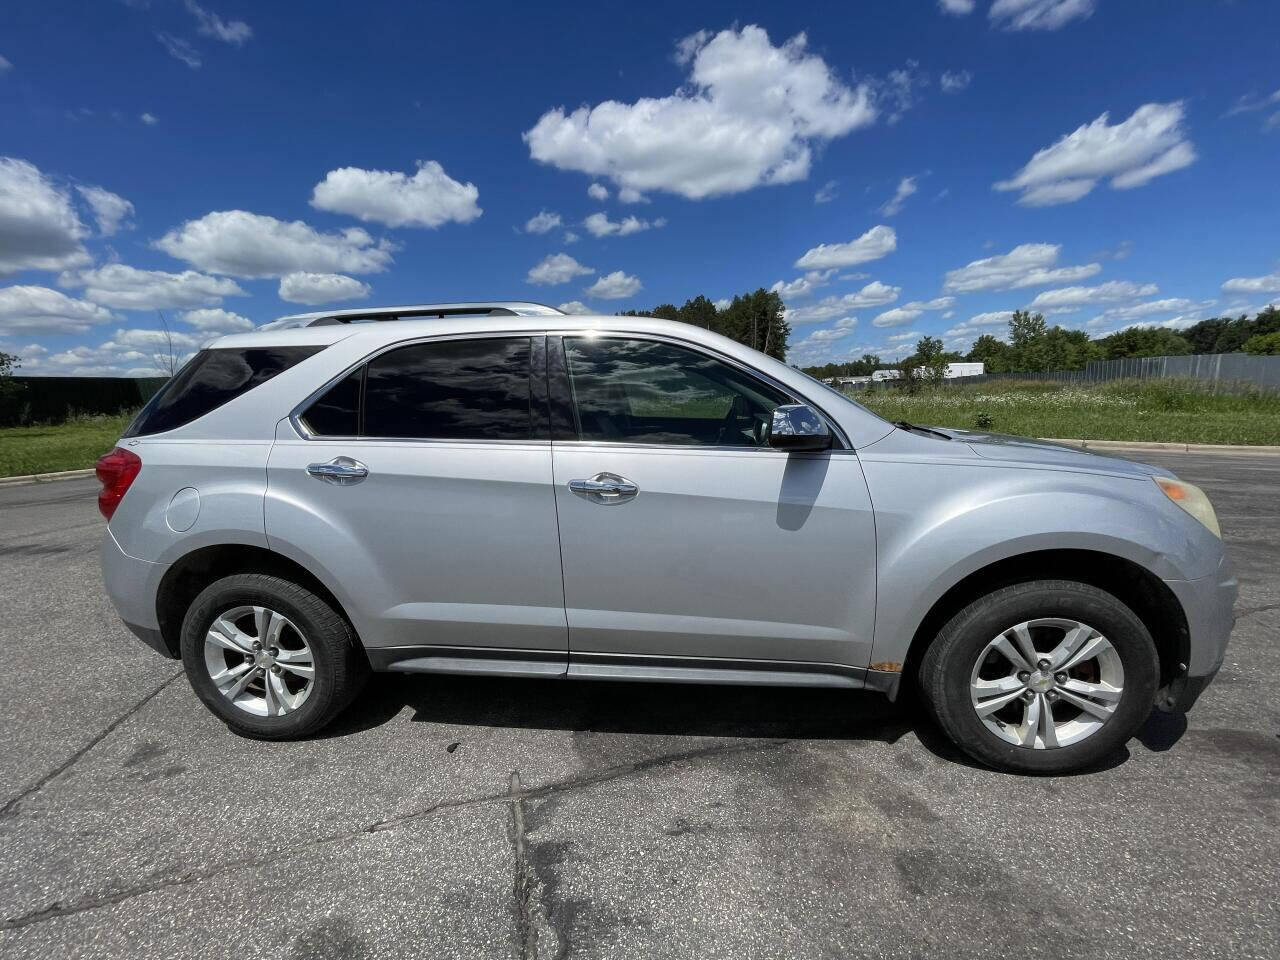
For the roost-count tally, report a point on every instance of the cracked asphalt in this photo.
(470, 817)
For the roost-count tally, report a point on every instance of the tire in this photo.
(966, 669)
(303, 629)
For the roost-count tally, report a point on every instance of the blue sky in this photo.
(1107, 161)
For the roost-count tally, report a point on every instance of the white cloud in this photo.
(39, 228)
(841, 329)
(576, 307)
(598, 192)
(1150, 143)
(235, 32)
(976, 323)
(905, 337)
(216, 320)
(879, 241)
(955, 82)
(749, 115)
(110, 210)
(544, 221)
(893, 206)
(909, 312)
(155, 339)
(1137, 310)
(128, 288)
(5, 65)
(1267, 284)
(1038, 14)
(599, 225)
(427, 199)
(180, 49)
(631, 195)
(723, 303)
(897, 92)
(803, 286)
(1026, 265)
(827, 192)
(959, 7)
(614, 286)
(571, 237)
(149, 119)
(318, 288)
(1069, 299)
(1249, 103)
(247, 244)
(556, 268)
(874, 294)
(42, 310)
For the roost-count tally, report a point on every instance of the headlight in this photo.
(1191, 499)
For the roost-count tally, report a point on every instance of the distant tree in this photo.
(8, 386)
(995, 355)
(1144, 342)
(1203, 336)
(1025, 328)
(931, 360)
(1263, 344)
(699, 311)
(755, 319)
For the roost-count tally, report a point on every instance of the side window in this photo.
(645, 391)
(446, 390)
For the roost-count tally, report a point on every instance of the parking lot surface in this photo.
(469, 817)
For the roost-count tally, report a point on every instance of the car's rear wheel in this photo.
(269, 657)
(1049, 676)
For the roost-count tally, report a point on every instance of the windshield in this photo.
(839, 393)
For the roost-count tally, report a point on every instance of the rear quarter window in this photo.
(210, 379)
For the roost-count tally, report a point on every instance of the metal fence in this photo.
(1224, 370)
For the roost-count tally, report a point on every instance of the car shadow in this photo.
(670, 709)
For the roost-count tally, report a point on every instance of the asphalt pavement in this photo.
(470, 817)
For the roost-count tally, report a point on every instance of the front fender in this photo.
(937, 524)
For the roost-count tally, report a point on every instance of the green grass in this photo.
(1160, 410)
(73, 445)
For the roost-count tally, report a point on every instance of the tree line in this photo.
(755, 319)
(1032, 345)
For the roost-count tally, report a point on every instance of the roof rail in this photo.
(496, 308)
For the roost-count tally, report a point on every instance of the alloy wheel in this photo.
(1047, 683)
(259, 660)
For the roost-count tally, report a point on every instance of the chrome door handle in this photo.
(340, 470)
(605, 488)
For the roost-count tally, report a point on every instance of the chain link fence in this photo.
(1226, 371)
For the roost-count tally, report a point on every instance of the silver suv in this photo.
(499, 488)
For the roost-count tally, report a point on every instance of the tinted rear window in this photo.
(210, 379)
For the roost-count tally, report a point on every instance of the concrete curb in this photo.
(45, 477)
(1154, 447)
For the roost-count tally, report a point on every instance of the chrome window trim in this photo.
(295, 415)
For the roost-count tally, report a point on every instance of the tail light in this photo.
(116, 471)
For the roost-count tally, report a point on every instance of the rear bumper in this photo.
(132, 586)
(1209, 605)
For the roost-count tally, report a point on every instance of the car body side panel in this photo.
(445, 543)
(939, 521)
(741, 554)
(228, 478)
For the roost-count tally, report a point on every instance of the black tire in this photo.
(340, 665)
(947, 666)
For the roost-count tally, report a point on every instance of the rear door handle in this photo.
(340, 470)
(605, 488)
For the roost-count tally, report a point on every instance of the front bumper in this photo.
(1209, 606)
(132, 586)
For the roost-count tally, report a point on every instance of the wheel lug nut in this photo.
(1051, 695)
(274, 651)
(275, 668)
(1043, 664)
(1060, 677)
(1029, 695)
(257, 645)
(1023, 676)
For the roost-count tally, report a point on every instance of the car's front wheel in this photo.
(269, 657)
(1049, 676)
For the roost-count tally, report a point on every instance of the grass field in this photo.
(1164, 410)
(73, 445)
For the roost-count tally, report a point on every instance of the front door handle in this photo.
(340, 470)
(605, 488)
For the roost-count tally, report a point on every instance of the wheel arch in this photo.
(194, 571)
(1132, 584)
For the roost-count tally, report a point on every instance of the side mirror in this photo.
(797, 426)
